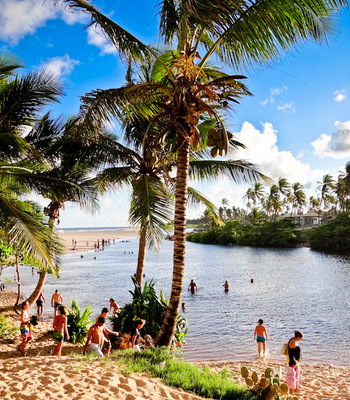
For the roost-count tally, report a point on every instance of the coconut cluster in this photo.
(216, 141)
(267, 386)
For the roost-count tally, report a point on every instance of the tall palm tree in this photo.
(241, 34)
(21, 99)
(298, 196)
(326, 187)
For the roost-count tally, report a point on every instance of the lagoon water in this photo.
(292, 289)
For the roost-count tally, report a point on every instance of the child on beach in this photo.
(260, 335)
(135, 334)
(59, 329)
(25, 328)
(292, 378)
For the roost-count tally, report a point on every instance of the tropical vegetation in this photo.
(78, 323)
(151, 307)
(184, 88)
(168, 366)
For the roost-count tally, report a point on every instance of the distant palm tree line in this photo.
(268, 202)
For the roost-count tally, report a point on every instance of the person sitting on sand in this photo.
(56, 300)
(59, 329)
(40, 304)
(135, 334)
(193, 287)
(260, 334)
(115, 307)
(98, 334)
(226, 286)
(25, 328)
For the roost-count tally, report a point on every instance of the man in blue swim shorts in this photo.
(260, 334)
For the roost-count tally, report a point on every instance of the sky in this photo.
(296, 125)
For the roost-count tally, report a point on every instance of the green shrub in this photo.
(146, 304)
(7, 329)
(78, 324)
(165, 364)
(332, 236)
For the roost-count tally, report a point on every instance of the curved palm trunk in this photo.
(142, 254)
(38, 289)
(168, 327)
(40, 285)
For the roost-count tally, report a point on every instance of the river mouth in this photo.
(292, 289)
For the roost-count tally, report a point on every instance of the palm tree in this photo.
(21, 99)
(327, 186)
(240, 34)
(298, 196)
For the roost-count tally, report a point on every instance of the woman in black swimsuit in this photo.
(294, 354)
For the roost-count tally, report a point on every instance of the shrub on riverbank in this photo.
(146, 304)
(266, 234)
(333, 236)
(163, 363)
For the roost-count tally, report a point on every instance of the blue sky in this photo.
(297, 124)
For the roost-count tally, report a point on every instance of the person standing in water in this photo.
(193, 287)
(40, 304)
(260, 335)
(226, 286)
(56, 300)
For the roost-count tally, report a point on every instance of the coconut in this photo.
(214, 151)
(211, 133)
(211, 142)
(217, 135)
(220, 144)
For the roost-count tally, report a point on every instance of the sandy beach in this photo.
(79, 241)
(71, 376)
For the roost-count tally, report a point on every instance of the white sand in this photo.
(86, 239)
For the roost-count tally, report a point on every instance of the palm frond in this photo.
(196, 198)
(124, 42)
(239, 171)
(151, 206)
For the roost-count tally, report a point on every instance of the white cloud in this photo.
(340, 95)
(60, 65)
(261, 150)
(273, 93)
(336, 145)
(287, 107)
(97, 38)
(19, 18)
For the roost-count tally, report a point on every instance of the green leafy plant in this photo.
(167, 365)
(7, 329)
(268, 386)
(146, 304)
(78, 324)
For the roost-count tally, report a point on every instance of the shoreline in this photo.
(71, 376)
(82, 241)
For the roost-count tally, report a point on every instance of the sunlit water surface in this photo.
(292, 289)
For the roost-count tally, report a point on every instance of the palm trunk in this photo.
(38, 289)
(18, 280)
(40, 285)
(142, 254)
(168, 327)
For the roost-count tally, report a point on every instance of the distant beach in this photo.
(81, 239)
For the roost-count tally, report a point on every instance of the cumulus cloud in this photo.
(340, 95)
(19, 18)
(336, 145)
(60, 65)
(97, 38)
(261, 150)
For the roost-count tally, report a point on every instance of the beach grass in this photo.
(174, 371)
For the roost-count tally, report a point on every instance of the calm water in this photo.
(292, 289)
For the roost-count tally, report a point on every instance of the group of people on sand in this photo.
(293, 354)
(97, 342)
